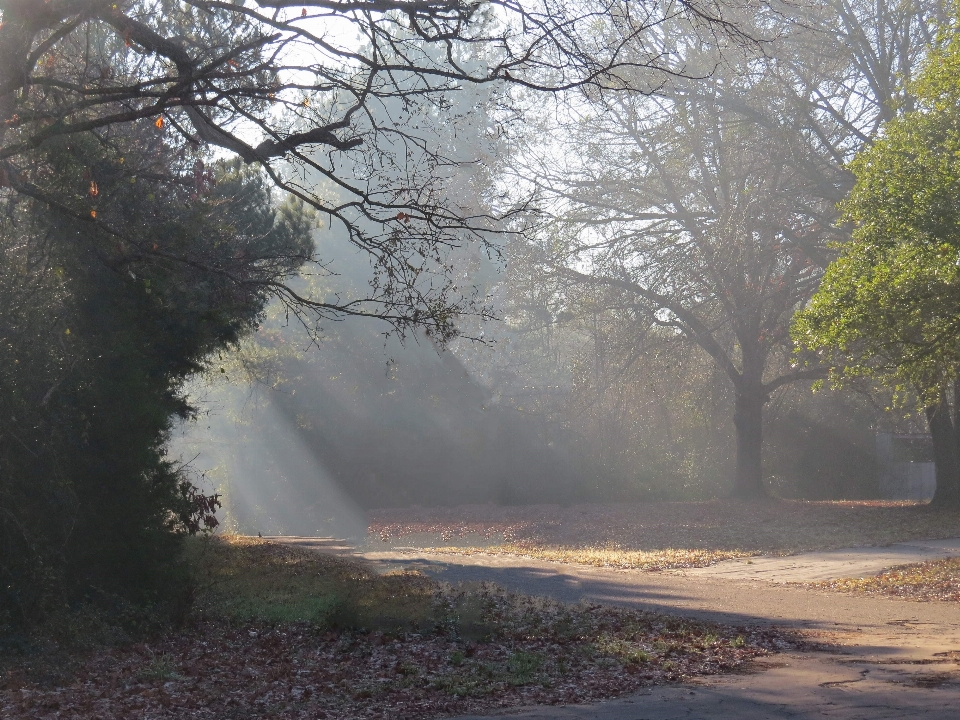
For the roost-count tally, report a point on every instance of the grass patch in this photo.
(938, 580)
(251, 580)
(160, 668)
(522, 666)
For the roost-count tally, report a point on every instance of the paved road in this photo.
(893, 659)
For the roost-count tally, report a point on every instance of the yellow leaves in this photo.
(67, 331)
(159, 123)
(306, 102)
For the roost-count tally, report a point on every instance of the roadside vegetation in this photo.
(282, 633)
(658, 536)
(938, 580)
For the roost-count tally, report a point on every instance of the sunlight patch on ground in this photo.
(659, 535)
(938, 580)
(666, 559)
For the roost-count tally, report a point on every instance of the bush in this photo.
(99, 329)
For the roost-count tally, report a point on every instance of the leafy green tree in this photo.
(889, 306)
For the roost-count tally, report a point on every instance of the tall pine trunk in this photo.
(945, 453)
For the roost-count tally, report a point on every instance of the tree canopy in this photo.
(889, 306)
(705, 212)
(327, 96)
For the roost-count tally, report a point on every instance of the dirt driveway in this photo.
(884, 658)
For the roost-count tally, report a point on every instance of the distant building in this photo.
(905, 469)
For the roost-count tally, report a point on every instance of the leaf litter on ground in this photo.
(937, 580)
(657, 535)
(284, 633)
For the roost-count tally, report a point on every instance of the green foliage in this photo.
(522, 666)
(161, 668)
(102, 319)
(889, 306)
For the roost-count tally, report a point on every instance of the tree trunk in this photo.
(748, 420)
(945, 455)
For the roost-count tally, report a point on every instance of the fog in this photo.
(303, 428)
(638, 306)
(353, 425)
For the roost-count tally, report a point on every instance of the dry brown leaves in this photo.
(659, 535)
(938, 580)
(289, 672)
(490, 649)
(611, 557)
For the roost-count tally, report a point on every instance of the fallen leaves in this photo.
(291, 671)
(938, 580)
(484, 649)
(658, 535)
(666, 559)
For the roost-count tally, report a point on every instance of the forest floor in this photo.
(279, 632)
(657, 536)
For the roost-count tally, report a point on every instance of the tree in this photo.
(709, 209)
(714, 253)
(96, 342)
(297, 88)
(889, 306)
